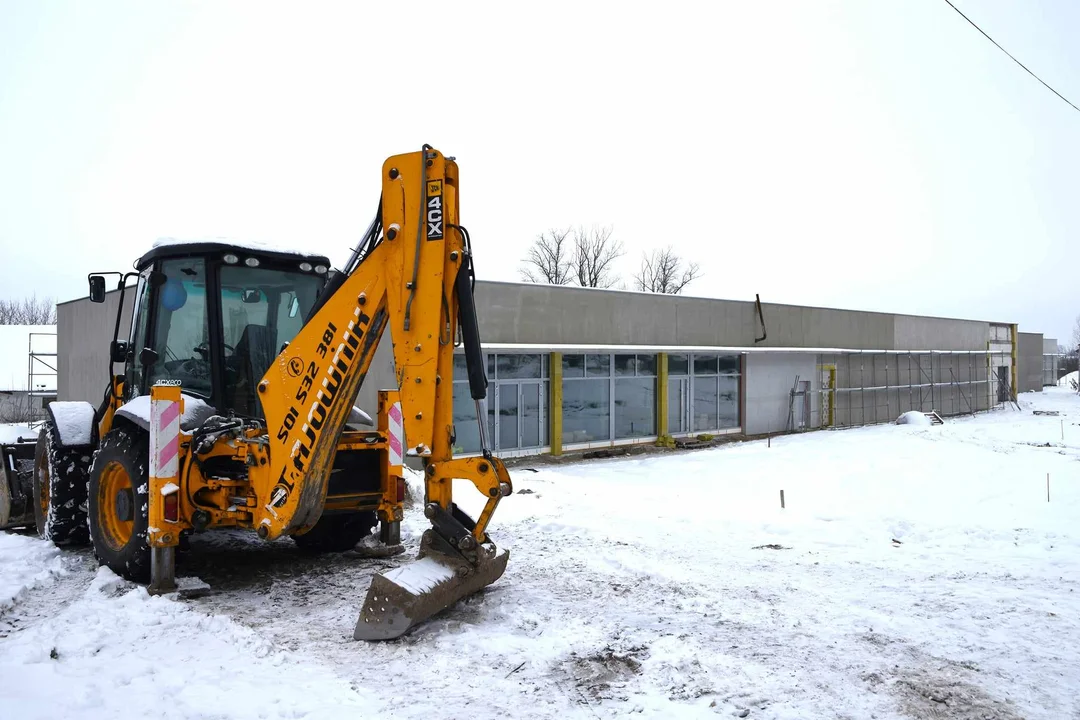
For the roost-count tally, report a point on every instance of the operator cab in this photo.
(214, 317)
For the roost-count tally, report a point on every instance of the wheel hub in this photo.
(125, 505)
(115, 513)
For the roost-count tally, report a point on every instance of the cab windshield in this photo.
(181, 338)
(261, 310)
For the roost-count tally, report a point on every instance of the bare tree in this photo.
(662, 271)
(1076, 334)
(594, 256)
(28, 311)
(549, 259)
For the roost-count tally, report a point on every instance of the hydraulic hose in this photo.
(421, 227)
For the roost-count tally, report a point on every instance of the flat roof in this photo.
(717, 299)
(720, 349)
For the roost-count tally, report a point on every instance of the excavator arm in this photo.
(415, 279)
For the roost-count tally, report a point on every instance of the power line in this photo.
(1010, 55)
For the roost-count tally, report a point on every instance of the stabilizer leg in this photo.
(390, 533)
(162, 570)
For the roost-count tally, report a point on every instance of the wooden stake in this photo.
(782, 498)
(770, 440)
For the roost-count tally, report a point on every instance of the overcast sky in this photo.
(869, 155)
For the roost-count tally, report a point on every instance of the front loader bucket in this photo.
(400, 599)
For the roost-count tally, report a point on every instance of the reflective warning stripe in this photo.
(396, 439)
(164, 438)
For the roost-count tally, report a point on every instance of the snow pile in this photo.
(420, 576)
(117, 652)
(913, 417)
(196, 412)
(25, 563)
(74, 421)
(1070, 380)
(249, 244)
(10, 433)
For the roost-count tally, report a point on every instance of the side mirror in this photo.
(294, 307)
(148, 357)
(97, 288)
(251, 295)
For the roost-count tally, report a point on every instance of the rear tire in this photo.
(60, 476)
(336, 533)
(119, 503)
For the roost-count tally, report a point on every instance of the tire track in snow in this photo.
(64, 577)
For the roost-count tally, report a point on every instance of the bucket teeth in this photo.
(400, 599)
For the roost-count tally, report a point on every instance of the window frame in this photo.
(612, 377)
(496, 387)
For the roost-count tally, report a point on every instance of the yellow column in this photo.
(555, 416)
(662, 394)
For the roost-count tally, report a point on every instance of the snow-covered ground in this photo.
(916, 572)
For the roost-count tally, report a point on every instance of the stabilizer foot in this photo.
(162, 570)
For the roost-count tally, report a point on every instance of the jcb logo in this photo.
(434, 210)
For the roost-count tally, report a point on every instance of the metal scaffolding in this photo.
(868, 387)
(41, 375)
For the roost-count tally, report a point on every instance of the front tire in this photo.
(60, 475)
(119, 503)
(336, 533)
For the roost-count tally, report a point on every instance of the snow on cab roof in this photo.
(246, 243)
(15, 357)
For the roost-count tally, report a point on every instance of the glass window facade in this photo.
(586, 406)
(517, 403)
(573, 366)
(678, 364)
(678, 405)
(597, 365)
(703, 392)
(586, 409)
(465, 426)
(615, 399)
(635, 407)
(605, 397)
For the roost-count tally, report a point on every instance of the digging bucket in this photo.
(400, 599)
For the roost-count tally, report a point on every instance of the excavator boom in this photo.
(415, 280)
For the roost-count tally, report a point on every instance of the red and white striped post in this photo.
(163, 532)
(392, 422)
(395, 428)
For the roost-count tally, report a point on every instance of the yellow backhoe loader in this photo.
(235, 406)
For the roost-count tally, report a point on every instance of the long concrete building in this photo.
(573, 369)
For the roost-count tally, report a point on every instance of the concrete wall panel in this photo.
(380, 376)
(769, 379)
(1030, 362)
(521, 313)
(83, 333)
(927, 333)
(512, 313)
